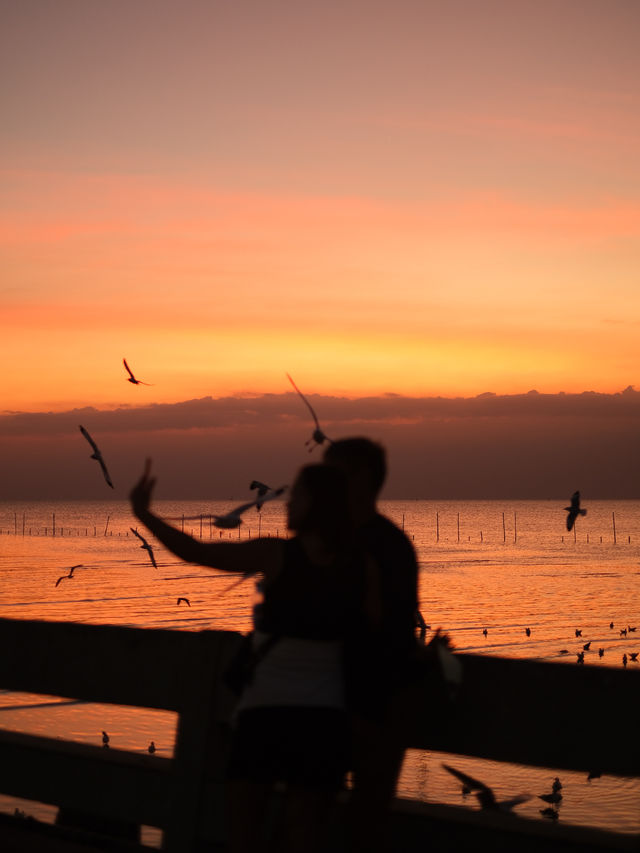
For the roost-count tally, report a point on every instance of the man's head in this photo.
(365, 465)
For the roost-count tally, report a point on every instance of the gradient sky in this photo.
(420, 198)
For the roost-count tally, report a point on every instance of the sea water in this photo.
(502, 566)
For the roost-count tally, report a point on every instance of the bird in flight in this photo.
(232, 519)
(263, 489)
(132, 378)
(318, 436)
(574, 510)
(484, 794)
(186, 601)
(145, 545)
(70, 575)
(97, 455)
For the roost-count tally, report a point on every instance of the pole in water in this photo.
(458, 527)
(504, 530)
(437, 527)
(613, 519)
(106, 525)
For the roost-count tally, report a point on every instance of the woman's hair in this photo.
(328, 510)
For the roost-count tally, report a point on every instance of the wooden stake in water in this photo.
(613, 519)
(458, 527)
(437, 527)
(106, 525)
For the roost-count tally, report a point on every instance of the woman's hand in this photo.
(140, 495)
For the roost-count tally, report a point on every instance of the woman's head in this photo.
(318, 502)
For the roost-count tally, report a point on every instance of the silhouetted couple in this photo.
(334, 643)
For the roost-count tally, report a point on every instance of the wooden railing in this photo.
(560, 716)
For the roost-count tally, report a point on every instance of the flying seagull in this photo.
(145, 545)
(186, 601)
(484, 794)
(318, 436)
(132, 378)
(263, 489)
(70, 575)
(574, 510)
(232, 519)
(97, 455)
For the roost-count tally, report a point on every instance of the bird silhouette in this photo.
(484, 794)
(263, 490)
(186, 601)
(580, 657)
(601, 652)
(232, 519)
(151, 748)
(611, 624)
(105, 739)
(553, 797)
(574, 510)
(97, 455)
(146, 546)
(587, 646)
(624, 660)
(527, 631)
(70, 575)
(132, 378)
(317, 436)
(623, 632)
(633, 656)
(629, 628)
(557, 785)
(578, 632)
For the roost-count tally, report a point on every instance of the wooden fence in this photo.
(560, 716)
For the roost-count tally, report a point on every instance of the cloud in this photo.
(528, 445)
(336, 413)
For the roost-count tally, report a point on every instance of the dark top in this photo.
(381, 644)
(310, 601)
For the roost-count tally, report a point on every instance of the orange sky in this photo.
(396, 198)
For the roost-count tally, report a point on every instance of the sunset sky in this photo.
(416, 198)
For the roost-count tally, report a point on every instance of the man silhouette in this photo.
(380, 654)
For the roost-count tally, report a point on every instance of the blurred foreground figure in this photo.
(380, 654)
(292, 728)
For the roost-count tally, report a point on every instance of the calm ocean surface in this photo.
(497, 565)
